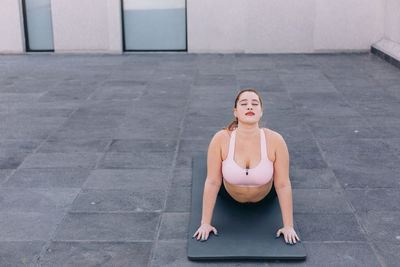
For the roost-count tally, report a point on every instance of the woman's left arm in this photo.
(283, 189)
(282, 182)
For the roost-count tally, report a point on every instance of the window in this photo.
(150, 25)
(38, 25)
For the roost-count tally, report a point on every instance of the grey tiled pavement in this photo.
(95, 153)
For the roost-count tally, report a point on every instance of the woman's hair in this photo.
(235, 122)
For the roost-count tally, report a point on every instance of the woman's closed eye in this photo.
(253, 104)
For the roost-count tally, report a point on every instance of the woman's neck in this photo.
(248, 130)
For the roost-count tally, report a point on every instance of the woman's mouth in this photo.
(249, 114)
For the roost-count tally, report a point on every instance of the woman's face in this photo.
(248, 103)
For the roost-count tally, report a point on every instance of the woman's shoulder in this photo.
(223, 134)
(272, 133)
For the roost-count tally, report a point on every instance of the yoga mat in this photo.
(244, 233)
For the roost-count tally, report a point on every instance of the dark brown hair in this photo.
(235, 122)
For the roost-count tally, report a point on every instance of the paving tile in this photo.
(36, 200)
(389, 252)
(313, 179)
(56, 160)
(184, 159)
(11, 160)
(136, 180)
(174, 226)
(102, 133)
(139, 159)
(367, 177)
(334, 254)
(187, 145)
(94, 112)
(335, 131)
(174, 253)
(381, 225)
(303, 82)
(379, 108)
(304, 153)
(138, 226)
(97, 254)
(215, 79)
(379, 199)
(48, 178)
(4, 173)
(201, 132)
(117, 93)
(20, 253)
(328, 227)
(151, 131)
(28, 226)
(394, 143)
(387, 131)
(144, 145)
(328, 201)
(117, 200)
(353, 122)
(358, 153)
(65, 95)
(179, 194)
(322, 103)
(16, 145)
(67, 145)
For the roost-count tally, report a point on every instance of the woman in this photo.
(242, 164)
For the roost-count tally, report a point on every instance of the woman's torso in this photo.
(248, 155)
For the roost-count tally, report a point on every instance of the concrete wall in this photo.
(284, 26)
(222, 26)
(392, 20)
(87, 26)
(11, 27)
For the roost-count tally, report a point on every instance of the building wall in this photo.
(11, 28)
(284, 26)
(392, 20)
(221, 26)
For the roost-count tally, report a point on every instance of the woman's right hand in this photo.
(204, 231)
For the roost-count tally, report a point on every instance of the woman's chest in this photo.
(247, 154)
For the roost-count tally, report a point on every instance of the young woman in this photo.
(246, 164)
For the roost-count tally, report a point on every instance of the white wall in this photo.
(11, 28)
(87, 26)
(284, 26)
(222, 26)
(392, 20)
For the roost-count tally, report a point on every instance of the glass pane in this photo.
(155, 24)
(38, 19)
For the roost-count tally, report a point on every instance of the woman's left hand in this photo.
(289, 235)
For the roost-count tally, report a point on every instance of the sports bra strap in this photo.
(232, 145)
(264, 154)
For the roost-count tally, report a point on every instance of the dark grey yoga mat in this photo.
(244, 233)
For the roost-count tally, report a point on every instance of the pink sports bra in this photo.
(259, 175)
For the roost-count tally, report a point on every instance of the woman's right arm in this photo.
(214, 177)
